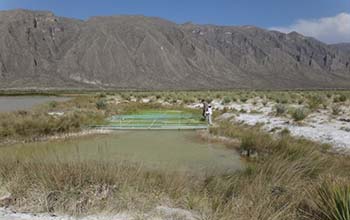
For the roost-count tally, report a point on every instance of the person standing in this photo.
(204, 108)
(209, 114)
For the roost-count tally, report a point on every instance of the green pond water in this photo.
(170, 150)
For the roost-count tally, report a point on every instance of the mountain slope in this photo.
(345, 47)
(38, 49)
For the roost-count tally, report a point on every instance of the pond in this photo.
(170, 150)
(14, 103)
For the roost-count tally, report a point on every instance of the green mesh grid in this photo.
(156, 120)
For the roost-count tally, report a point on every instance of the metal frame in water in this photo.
(155, 120)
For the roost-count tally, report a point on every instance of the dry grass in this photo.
(281, 179)
(328, 199)
(288, 180)
(300, 114)
(33, 124)
(273, 186)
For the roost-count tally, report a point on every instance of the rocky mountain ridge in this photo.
(41, 50)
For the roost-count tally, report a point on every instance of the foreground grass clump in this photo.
(289, 168)
(19, 125)
(84, 187)
(332, 199)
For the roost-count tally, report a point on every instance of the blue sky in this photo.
(284, 15)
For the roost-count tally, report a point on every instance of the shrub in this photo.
(224, 110)
(244, 100)
(280, 109)
(255, 140)
(284, 101)
(243, 111)
(52, 104)
(101, 104)
(315, 101)
(285, 132)
(264, 102)
(325, 105)
(101, 95)
(340, 98)
(255, 112)
(299, 114)
(234, 99)
(336, 109)
(226, 100)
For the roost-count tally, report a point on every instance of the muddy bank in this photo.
(83, 133)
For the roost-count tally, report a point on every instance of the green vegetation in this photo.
(332, 201)
(70, 116)
(300, 114)
(226, 100)
(314, 101)
(336, 109)
(52, 104)
(101, 104)
(32, 125)
(280, 109)
(282, 175)
(340, 98)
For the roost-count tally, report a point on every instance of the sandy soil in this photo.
(159, 213)
(321, 125)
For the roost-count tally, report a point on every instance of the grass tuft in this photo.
(331, 199)
(300, 114)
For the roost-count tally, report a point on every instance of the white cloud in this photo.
(329, 29)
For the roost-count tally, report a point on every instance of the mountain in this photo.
(345, 47)
(41, 50)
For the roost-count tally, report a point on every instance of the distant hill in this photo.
(41, 50)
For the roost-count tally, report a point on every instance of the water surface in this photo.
(14, 103)
(173, 150)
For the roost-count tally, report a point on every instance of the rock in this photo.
(344, 119)
(249, 153)
(56, 113)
